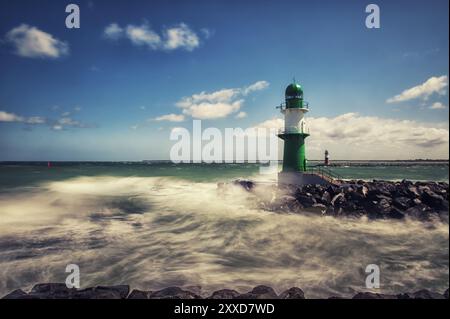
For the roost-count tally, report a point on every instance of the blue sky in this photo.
(87, 94)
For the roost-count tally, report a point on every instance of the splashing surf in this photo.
(152, 232)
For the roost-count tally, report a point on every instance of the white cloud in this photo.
(437, 106)
(352, 136)
(218, 104)
(241, 115)
(207, 33)
(432, 85)
(9, 117)
(224, 95)
(58, 124)
(180, 36)
(14, 118)
(177, 129)
(143, 35)
(67, 121)
(207, 110)
(113, 31)
(35, 120)
(31, 42)
(171, 118)
(258, 86)
(275, 123)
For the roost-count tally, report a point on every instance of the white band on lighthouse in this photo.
(294, 120)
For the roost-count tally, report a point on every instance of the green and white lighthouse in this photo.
(294, 134)
(295, 131)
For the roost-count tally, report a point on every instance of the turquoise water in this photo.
(415, 172)
(27, 174)
(154, 225)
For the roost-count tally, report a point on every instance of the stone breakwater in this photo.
(426, 201)
(60, 291)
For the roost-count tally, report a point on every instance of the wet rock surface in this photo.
(371, 295)
(259, 292)
(224, 294)
(60, 291)
(139, 294)
(292, 293)
(425, 201)
(173, 293)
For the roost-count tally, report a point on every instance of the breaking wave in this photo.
(152, 232)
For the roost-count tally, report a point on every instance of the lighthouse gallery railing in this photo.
(292, 130)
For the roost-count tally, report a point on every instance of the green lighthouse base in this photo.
(294, 154)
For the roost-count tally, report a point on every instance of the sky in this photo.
(115, 88)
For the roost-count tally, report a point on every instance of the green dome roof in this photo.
(294, 89)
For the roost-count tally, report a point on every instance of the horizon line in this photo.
(240, 162)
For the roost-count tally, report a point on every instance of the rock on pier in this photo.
(60, 291)
(425, 201)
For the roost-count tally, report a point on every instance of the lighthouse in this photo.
(327, 158)
(295, 131)
(294, 134)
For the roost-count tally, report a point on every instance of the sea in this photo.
(155, 224)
